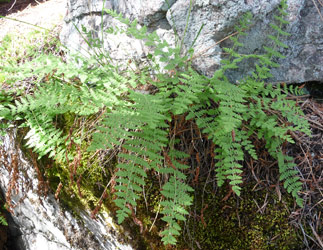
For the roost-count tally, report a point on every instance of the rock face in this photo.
(41, 223)
(119, 47)
(304, 58)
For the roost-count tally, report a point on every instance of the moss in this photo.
(93, 177)
(256, 220)
(92, 184)
(146, 210)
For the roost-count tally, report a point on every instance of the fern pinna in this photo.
(139, 123)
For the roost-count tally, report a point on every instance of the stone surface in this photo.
(41, 223)
(119, 47)
(304, 58)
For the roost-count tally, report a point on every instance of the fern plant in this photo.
(139, 123)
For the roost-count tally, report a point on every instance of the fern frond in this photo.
(176, 196)
(289, 175)
(136, 126)
(230, 155)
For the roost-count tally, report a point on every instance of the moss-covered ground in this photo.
(256, 220)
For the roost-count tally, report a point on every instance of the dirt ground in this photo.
(10, 7)
(47, 14)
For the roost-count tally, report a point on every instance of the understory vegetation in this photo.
(129, 140)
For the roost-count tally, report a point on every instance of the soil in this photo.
(47, 14)
(7, 8)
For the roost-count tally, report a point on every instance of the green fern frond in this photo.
(289, 175)
(175, 192)
(140, 133)
(229, 156)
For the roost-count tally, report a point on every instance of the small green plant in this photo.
(140, 124)
(3, 221)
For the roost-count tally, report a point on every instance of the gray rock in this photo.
(119, 47)
(41, 223)
(303, 60)
(147, 12)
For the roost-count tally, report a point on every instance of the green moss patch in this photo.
(256, 220)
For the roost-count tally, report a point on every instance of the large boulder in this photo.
(304, 57)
